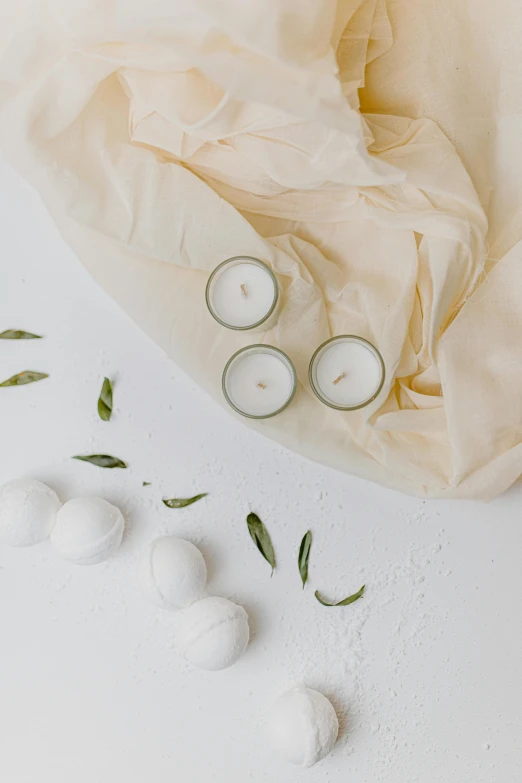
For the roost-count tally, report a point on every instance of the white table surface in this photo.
(424, 670)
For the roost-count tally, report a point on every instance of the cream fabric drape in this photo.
(362, 148)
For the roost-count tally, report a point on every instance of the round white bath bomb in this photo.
(87, 530)
(302, 726)
(213, 633)
(28, 511)
(173, 573)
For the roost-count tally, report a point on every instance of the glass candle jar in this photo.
(259, 381)
(347, 372)
(243, 293)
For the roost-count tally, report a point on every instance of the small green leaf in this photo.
(261, 539)
(304, 556)
(183, 502)
(146, 484)
(103, 461)
(105, 400)
(27, 376)
(350, 600)
(18, 334)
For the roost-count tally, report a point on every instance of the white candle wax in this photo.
(242, 293)
(259, 381)
(347, 372)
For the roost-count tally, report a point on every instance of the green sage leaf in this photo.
(146, 484)
(18, 334)
(304, 556)
(105, 400)
(27, 376)
(103, 460)
(183, 502)
(261, 539)
(350, 600)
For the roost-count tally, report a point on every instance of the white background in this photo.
(424, 670)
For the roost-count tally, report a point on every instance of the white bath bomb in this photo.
(87, 530)
(302, 726)
(213, 633)
(173, 573)
(28, 511)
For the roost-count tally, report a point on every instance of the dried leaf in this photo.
(261, 539)
(146, 484)
(105, 400)
(350, 600)
(183, 502)
(304, 556)
(27, 376)
(18, 334)
(103, 461)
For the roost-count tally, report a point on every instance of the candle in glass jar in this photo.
(347, 372)
(259, 381)
(242, 293)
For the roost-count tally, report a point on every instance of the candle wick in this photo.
(243, 289)
(340, 377)
(261, 385)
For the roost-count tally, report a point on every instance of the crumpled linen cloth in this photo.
(369, 151)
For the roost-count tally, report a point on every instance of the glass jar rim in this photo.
(214, 273)
(317, 391)
(271, 349)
